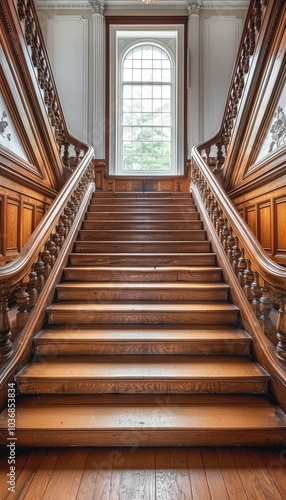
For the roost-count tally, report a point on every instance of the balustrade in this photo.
(28, 288)
(262, 297)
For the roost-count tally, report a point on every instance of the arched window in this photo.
(146, 100)
(146, 129)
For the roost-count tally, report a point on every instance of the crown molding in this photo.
(138, 4)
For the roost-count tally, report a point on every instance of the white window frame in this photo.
(171, 39)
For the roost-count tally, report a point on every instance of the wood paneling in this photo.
(250, 216)
(12, 236)
(265, 214)
(264, 225)
(20, 213)
(1, 225)
(40, 212)
(27, 224)
(280, 233)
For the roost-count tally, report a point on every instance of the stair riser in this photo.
(83, 274)
(125, 348)
(87, 386)
(142, 260)
(105, 295)
(148, 235)
(142, 247)
(134, 438)
(137, 226)
(134, 317)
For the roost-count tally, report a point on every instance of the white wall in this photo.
(220, 41)
(67, 42)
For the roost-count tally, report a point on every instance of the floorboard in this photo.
(201, 473)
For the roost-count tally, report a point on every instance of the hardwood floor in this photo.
(146, 474)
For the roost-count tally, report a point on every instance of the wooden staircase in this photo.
(142, 345)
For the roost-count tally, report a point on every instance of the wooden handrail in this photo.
(27, 274)
(270, 271)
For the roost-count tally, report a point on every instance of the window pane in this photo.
(127, 75)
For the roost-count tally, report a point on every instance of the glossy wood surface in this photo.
(147, 474)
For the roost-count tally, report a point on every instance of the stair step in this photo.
(146, 209)
(141, 194)
(141, 339)
(94, 214)
(142, 235)
(141, 202)
(142, 259)
(142, 246)
(198, 313)
(132, 291)
(142, 198)
(142, 375)
(126, 420)
(141, 225)
(142, 274)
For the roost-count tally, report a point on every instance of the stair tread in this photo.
(141, 246)
(169, 415)
(142, 368)
(149, 254)
(146, 269)
(144, 231)
(146, 222)
(134, 285)
(76, 306)
(149, 333)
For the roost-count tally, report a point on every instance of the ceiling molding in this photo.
(138, 4)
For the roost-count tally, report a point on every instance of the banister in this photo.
(269, 270)
(15, 270)
(31, 269)
(246, 255)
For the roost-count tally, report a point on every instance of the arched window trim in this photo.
(122, 37)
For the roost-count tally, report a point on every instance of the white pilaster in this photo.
(193, 121)
(99, 78)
